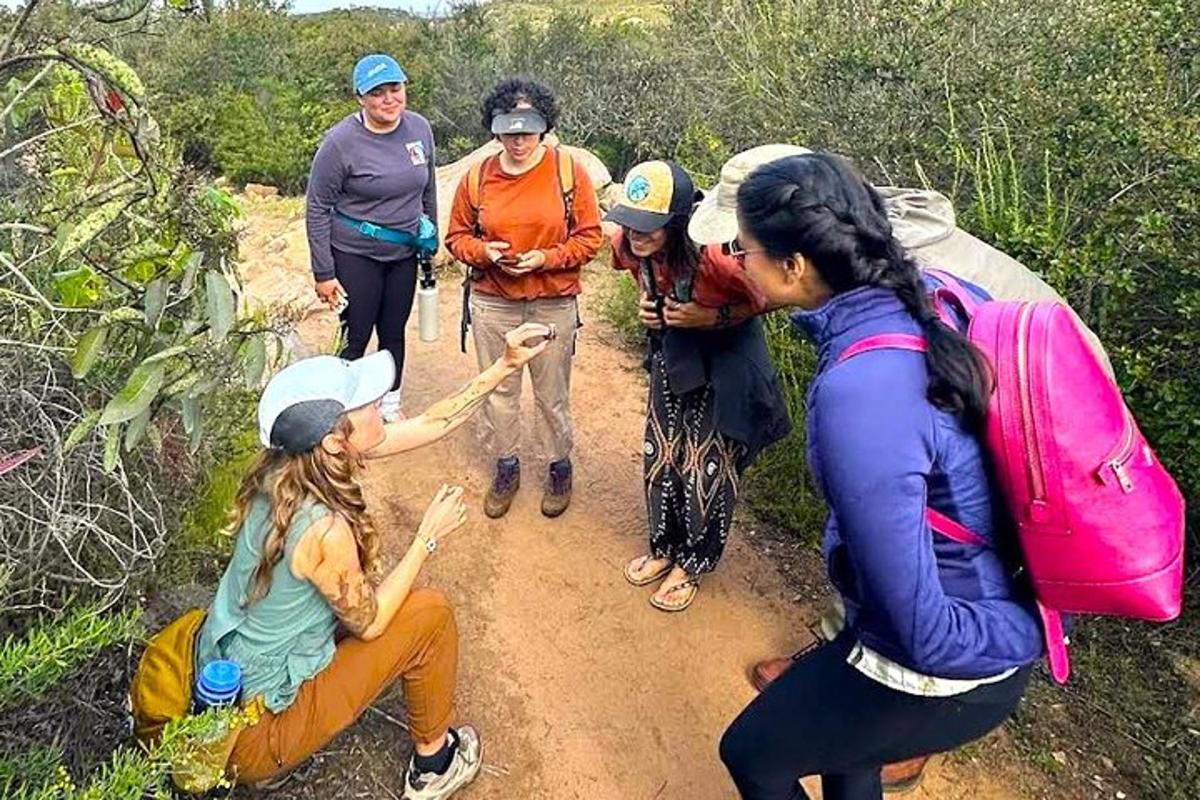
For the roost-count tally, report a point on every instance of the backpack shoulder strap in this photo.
(885, 341)
(475, 187)
(566, 183)
(951, 294)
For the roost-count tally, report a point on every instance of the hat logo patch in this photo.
(638, 189)
(375, 70)
(518, 124)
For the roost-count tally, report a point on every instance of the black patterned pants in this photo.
(691, 473)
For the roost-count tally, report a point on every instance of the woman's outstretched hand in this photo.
(525, 343)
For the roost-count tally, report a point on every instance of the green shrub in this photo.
(778, 486)
(620, 307)
(50, 651)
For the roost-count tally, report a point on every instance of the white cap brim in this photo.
(371, 377)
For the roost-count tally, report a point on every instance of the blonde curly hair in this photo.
(287, 480)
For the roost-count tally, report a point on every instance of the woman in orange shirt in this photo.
(525, 223)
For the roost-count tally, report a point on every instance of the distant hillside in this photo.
(644, 12)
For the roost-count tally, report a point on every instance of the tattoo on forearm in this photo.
(355, 604)
(462, 405)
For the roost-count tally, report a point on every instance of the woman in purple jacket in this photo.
(935, 643)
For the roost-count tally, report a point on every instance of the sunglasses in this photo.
(739, 253)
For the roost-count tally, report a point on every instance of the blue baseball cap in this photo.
(376, 70)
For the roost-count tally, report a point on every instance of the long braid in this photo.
(819, 205)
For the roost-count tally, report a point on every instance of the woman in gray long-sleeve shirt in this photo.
(371, 182)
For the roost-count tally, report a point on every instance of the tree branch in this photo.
(16, 28)
(24, 91)
(47, 134)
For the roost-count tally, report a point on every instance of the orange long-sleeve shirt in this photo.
(527, 212)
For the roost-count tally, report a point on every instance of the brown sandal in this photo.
(692, 583)
(644, 580)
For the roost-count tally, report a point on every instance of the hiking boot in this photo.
(557, 496)
(464, 766)
(897, 778)
(504, 487)
(903, 776)
(766, 671)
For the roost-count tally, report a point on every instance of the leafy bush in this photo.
(48, 653)
(777, 487)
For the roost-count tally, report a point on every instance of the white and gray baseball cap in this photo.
(303, 402)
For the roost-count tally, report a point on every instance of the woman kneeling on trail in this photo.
(307, 557)
(935, 644)
(715, 400)
(525, 222)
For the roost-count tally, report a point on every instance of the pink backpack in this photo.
(1099, 519)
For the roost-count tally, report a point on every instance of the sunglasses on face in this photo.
(739, 253)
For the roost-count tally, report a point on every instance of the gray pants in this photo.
(550, 373)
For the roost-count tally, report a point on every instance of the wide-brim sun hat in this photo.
(303, 402)
(715, 219)
(655, 192)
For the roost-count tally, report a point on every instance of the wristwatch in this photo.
(430, 544)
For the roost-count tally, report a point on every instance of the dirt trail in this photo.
(579, 687)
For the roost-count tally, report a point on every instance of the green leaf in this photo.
(155, 301)
(197, 436)
(136, 430)
(122, 314)
(91, 226)
(219, 300)
(191, 414)
(183, 384)
(141, 271)
(81, 287)
(255, 363)
(165, 355)
(190, 269)
(87, 351)
(112, 448)
(136, 396)
(204, 388)
(86, 424)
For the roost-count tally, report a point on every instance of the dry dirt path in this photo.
(579, 687)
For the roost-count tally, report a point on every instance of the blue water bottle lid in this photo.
(221, 678)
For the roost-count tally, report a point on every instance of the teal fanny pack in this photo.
(424, 240)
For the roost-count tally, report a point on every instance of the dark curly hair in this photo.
(820, 206)
(505, 96)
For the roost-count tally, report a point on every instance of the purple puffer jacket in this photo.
(880, 453)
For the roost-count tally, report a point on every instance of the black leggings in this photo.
(381, 298)
(824, 717)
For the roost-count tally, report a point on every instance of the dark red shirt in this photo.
(718, 281)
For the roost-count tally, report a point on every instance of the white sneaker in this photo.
(389, 407)
(464, 766)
